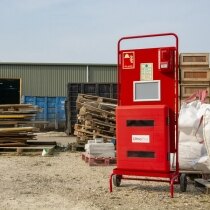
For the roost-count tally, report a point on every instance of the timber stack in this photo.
(96, 118)
(194, 74)
(14, 120)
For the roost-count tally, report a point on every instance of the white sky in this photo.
(87, 31)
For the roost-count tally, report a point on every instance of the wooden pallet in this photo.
(32, 146)
(188, 89)
(98, 161)
(203, 185)
(194, 59)
(96, 118)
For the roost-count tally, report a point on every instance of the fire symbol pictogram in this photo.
(128, 60)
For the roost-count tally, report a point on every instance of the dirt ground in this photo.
(65, 181)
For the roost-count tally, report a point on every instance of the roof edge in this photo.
(57, 64)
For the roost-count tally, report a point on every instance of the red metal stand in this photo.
(172, 178)
(147, 130)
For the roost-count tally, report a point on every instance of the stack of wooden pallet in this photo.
(194, 74)
(96, 118)
(14, 114)
(13, 121)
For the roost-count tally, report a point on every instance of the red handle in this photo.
(148, 36)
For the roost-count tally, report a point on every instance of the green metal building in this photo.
(45, 85)
(51, 79)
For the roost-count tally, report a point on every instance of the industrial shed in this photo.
(45, 84)
(50, 79)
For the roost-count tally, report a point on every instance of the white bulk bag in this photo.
(188, 116)
(206, 130)
(189, 154)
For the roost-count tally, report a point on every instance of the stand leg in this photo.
(172, 188)
(172, 185)
(110, 183)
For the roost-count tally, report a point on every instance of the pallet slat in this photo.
(194, 59)
(191, 75)
(203, 185)
(188, 89)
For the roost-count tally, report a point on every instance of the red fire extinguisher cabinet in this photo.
(146, 115)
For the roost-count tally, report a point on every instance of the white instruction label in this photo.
(140, 139)
(146, 71)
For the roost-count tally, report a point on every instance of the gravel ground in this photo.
(65, 181)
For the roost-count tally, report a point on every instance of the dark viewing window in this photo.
(140, 123)
(141, 154)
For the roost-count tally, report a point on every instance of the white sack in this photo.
(194, 137)
(189, 154)
(188, 116)
(186, 136)
(206, 130)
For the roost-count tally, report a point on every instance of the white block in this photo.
(100, 149)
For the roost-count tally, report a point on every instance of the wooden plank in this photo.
(190, 172)
(107, 100)
(83, 98)
(8, 122)
(107, 107)
(203, 185)
(198, 75)
(194, 59)
(81, 128)
(16, 139)
(16, 116)
(17, 129)
(91, 115)
(183, 99)
(98, 110)
(20, 149)
(104, 136)
(13, 144)
(106, 124)
(18, 112)
(14, 134)
(22, 122)
(17, 106)
(39, 142)
(188, 89)
(93, 130)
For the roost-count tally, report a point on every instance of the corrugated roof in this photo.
(57, 64)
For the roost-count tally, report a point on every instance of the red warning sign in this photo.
(128, 60)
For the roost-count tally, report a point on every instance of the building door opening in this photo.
(10, 91)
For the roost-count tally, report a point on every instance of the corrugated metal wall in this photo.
(52, 79)
(102, 74)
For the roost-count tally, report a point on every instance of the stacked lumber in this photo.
(14, 137)
(13, 121)
(14, 114)
(96, 118)
(194, 74)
